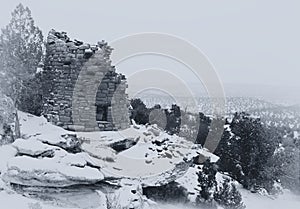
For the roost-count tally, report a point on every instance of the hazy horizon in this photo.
(250, 43)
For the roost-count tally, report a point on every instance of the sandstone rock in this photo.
(129, 196)
(33, 148)
(71, 143)
(80, 197)
(124, 144)
(62, 170)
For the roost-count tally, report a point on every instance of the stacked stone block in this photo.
(82, 90)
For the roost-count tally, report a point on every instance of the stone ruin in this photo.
(81, 89)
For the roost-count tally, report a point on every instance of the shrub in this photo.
(245, 151)
(228, 196)
(171, 192)
(139, 112)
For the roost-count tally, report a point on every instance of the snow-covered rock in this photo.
(189, 181)
(156, 158)
(60, 170)
(33, 147)
(125, 161)
(72, 197)
(153, 156)
(7, 152)
(38, 128)
(45, 157)
(204, 155)
(17, 201)
(49, 156)
(129, 195)
(52, 168)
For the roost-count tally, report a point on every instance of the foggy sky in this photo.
(250, 42)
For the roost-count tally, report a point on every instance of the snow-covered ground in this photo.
(286, 200)
(16, 201)
(151, 157)
(252, 201)
(255, 201)
(47, 157)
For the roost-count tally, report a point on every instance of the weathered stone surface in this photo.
(111, 179)
(65, 60)
(47, 172)
(79, 197)
(151, 159)
(75, 128)
(32, 167)
(129, 196)
(124, 144)
(34, 148)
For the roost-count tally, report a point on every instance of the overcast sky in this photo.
(251, 42)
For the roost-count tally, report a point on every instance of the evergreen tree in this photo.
(139, 112)
(167, 119)
(246, 151)
(21, 44)
(173, 119)
(210, 193)
(30, 99)
(21, 49)
(228, 196)
(21, 52)
(207, 184)
(171, 192)
(287, 163)
(204, 124)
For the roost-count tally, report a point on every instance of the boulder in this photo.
(32, 167)
(153, 160)
(128, 196)
(33, 148)
(124, 144)
(81, 197)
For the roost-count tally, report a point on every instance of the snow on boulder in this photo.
(128, 196)
(156, 159)
(204, 155)
(33, 148)
(106, 145)
(189, 181)
(7, 152)
(37, 128)
(77, 197)
(69, 142)
(61, 170)
(47, 157)
(18, 201)
(99, 151)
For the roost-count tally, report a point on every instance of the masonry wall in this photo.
(82, 90)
